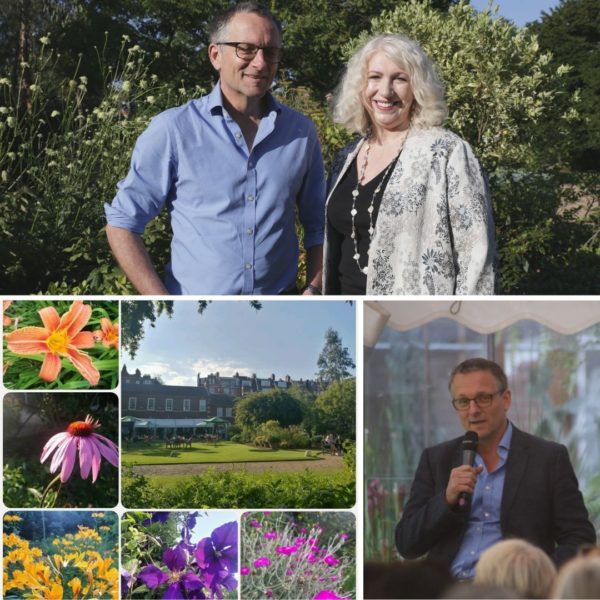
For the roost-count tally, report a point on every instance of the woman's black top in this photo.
(350, 279)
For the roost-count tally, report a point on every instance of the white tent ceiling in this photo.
(483, 316)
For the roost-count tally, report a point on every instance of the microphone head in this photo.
(470, 441)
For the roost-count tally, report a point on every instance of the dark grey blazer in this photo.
(541, 502)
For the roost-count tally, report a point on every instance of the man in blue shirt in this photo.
(520, 486)
(232, 168)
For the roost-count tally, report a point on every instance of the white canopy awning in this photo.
(160, 423)
(483, 316)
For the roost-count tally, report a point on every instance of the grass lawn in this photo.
(164, 482)
(157, 454)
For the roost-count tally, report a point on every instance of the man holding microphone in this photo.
(498, 482)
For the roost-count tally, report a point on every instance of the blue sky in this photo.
(284, 338)
(520, 12)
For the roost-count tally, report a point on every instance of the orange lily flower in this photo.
(60, 336)
(109, 334)
(6, 321)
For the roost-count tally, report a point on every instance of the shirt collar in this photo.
(504, 445)
(215, 102)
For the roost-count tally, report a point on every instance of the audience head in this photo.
(518, 565)
(578, 578)
(478, 591)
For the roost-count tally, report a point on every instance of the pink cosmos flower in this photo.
(270, 535)
(92, 447)
(286, 550)
(244, 571)
(331, 560)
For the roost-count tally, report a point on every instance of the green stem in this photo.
(57, 478)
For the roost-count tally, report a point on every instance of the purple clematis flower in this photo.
(182, 584)
(159, 516)
(217, 557)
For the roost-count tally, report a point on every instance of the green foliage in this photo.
(335, 409)
(277, 405)
(59, 161)
(570, 32)
(315, 32)
(237, 489)
(334, 362)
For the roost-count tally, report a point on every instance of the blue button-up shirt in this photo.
(232, 210)
(484, 527)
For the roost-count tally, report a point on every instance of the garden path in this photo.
(326, 462)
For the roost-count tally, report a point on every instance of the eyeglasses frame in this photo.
(235, 45)
(492, 396)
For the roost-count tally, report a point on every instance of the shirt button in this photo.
(487, 487)
(472, 551)
(238, 136)
(248, 266)
(250, 164)
(486, 514)
(249, 231)
(251, 198)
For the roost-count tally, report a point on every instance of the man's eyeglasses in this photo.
(481, 400)
(245, 51)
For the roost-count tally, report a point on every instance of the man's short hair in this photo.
(471, 365)
(216, 28)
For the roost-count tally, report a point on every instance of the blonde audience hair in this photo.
(578, 578)
(429, 107)
(519, 565)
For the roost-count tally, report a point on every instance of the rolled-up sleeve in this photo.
(471, 222)
(311, 199)
(148, 184)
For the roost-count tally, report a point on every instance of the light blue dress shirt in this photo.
(232, 210)
(484, 528)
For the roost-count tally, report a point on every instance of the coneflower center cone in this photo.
(81, 428)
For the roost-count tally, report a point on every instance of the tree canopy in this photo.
(571, 33)
(272, 405)
(334, 362)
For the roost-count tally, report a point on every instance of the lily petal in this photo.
(50, 367)
(83, 363)
(28, 340)
(76, 317)
(84, 339)
(50, 318)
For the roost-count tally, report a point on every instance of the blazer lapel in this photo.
(516, 465)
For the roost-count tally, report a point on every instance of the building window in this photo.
(219, 412)
(132, 403)
(150, 404)
(186, 404)
(169, 404)
(229, 412)
(202, 405)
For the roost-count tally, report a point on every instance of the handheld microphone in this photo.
(469, 450)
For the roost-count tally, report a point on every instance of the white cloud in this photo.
(225, 368)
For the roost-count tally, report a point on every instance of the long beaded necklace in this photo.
(371, 208)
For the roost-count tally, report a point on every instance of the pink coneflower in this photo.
(92, 447)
